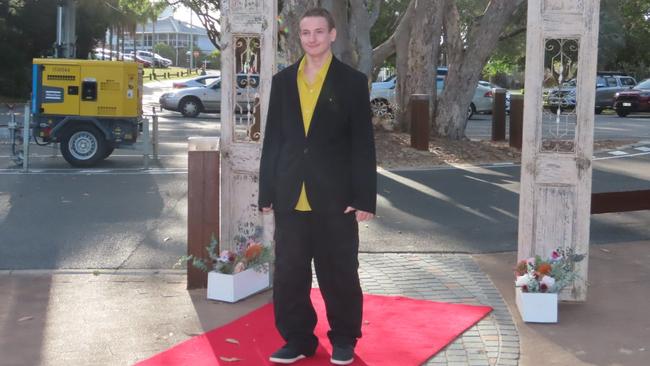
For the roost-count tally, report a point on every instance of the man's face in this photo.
(315, 37)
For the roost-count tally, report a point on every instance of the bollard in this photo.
(516, 120)
(202, 203)
(26, 135)
(499, 115)
(146, 142)
(154, 133)
(420, 121)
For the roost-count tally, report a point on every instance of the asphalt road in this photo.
(121, 216)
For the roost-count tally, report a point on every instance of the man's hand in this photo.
(266, 210)
(360, 215)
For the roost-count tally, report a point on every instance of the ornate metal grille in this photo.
(560, 95)
(247, 95)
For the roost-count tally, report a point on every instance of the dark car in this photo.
(634, 100)
(607, 85)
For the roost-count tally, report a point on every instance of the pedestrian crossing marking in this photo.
(643, 148)
(617, 153)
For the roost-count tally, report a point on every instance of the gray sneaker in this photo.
(342, 355)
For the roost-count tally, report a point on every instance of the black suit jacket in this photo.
(336, 160)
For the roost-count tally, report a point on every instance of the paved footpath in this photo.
(117, 318)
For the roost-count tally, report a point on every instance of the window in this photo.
(610, 81)
(627, 82)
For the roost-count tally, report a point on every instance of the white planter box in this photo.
(234, 287)
(537, 307)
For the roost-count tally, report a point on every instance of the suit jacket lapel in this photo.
(294, 99)
(325, 95)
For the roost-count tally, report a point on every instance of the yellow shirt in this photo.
(308, 97)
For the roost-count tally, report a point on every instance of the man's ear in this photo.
(333, 35)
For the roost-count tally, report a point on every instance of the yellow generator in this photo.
(89, 106)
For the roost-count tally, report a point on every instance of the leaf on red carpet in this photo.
(229, 359)
(232, 340)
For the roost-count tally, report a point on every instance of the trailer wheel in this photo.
(83, 146)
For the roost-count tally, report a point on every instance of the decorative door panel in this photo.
(248, 64)
(555, 194)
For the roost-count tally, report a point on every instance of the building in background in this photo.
(173, 32)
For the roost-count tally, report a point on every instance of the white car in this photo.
(192, 101)
(199, 81)
(382, 97)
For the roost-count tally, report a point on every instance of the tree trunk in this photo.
(361, 20)
(290, 14)
(423, 52)
(466, 60)
(342, 47)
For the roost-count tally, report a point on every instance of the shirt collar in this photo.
(323, 70)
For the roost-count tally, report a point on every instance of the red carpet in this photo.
(396, 331)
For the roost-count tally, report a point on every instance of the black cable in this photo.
(40, 144)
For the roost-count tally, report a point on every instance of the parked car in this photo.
(151, 58)
(199, 81)
(494, 86)
(633, 100)
(382, 97)
(607, 85)
(195, 100)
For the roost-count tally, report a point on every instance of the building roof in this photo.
(171, 25)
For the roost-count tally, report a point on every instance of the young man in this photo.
(318, 175)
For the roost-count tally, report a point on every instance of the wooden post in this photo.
(516, 120)
(499, 115)
(420, 121)
(202, 203)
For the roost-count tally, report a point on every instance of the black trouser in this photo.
(332, 240)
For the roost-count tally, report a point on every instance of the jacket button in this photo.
(306, 151)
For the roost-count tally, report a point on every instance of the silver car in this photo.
(192, 101)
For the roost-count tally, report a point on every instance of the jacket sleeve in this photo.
(364, 164)
(271, 147)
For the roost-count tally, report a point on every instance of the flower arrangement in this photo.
(248, 254)
(551, 275)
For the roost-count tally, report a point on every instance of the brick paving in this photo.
(449, 278)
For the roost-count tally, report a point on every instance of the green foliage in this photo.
(213, 58)
(165, 51)
(497, 66)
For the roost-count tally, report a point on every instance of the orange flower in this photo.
(253, 251)
(544, 268)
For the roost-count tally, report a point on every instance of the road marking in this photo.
(642, 148)
(617, 153)
(623, 156)
(134, 171)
